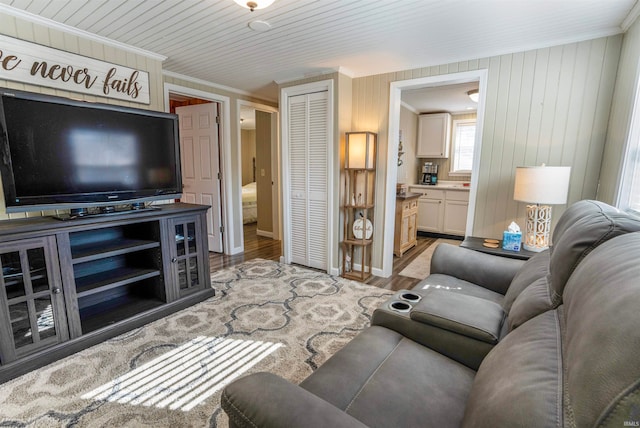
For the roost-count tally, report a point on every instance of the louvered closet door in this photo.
(308, 146)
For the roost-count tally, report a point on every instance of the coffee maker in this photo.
(430, 174)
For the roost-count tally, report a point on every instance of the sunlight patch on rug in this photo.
(186, 376)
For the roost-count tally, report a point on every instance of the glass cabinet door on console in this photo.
(186, 254)
(32, 314)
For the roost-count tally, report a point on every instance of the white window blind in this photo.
(464, 136)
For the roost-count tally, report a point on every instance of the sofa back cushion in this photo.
(578, 236)
(577, 365)
(573, 213)
(519, 381)
(599, 223)
(534, 269)
(538, 266)
(602, 345)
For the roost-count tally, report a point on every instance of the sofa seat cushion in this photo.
(519, 384)
(383, 379)
(450, 283)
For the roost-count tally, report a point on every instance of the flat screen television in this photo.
(59, 153)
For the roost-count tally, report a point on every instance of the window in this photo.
(629, 196)
(464, 138)
(629, 190)
(634, 196)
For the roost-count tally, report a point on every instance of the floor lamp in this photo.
(541, 186)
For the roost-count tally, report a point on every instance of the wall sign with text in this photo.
(27, 62)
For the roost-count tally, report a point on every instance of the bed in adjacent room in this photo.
(249, 203)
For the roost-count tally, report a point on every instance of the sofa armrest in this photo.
(492, 272)
(467, 344)
(267, 400)
(469, 316)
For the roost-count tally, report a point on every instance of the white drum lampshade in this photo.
(542, 186)
(361, 150)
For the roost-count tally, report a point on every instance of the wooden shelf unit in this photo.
(358, 208)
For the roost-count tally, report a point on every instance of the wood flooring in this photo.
(266, 248)
(396, 281)
(255, 247)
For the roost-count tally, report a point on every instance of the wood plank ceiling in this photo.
(211, 39)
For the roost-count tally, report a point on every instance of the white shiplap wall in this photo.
(547, 105)
(15, 27)
(408, 171)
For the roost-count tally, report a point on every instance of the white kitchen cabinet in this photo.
(434, 133)
(455, 212)
(430, 210)
(455, 220)
(442, 211)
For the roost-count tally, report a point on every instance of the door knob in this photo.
(173, 260)
(56, 290)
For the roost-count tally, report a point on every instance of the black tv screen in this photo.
(60, 153)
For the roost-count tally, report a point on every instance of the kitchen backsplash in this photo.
(444, 165)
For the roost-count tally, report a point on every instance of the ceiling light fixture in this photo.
(254, 4)
(474, 94)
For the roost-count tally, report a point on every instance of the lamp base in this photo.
(534, 249)
(538, 226)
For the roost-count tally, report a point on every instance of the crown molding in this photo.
(346, 72)
(36, 19)
(631, 17)
(409, 107)
(214, 85)
(340, 70)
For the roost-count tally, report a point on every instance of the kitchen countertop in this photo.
(408, 195)
(445, 185)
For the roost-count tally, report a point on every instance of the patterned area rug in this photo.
(266, 316)
(419, 268)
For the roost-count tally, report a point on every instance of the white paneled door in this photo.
(308, 133)
(200, 153)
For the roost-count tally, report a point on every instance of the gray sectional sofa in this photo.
(485, 341)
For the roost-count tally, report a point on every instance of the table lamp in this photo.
(541, 186)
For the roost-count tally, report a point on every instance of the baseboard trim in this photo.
(374, 271)
(264, 233)
(440, 235)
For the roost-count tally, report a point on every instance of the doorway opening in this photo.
(200, 158)
(259, 174)
(217, 158)
(397, 90)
